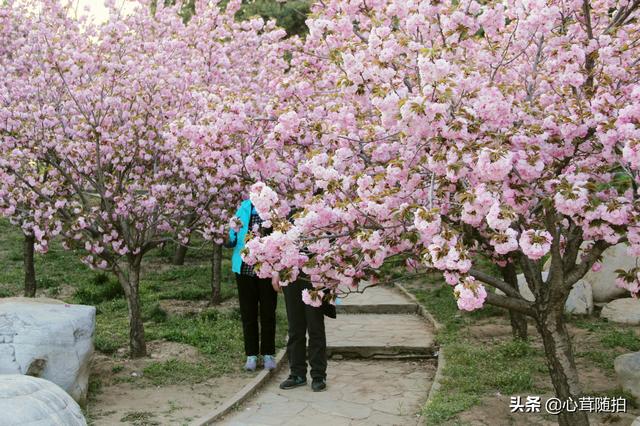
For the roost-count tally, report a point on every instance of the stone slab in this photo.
(368, 335)
(382, 309)
(375, 300)
(374, 296)
(243, 394)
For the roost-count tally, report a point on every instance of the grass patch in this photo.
(95, 386)
(140, 418)
(478, 369)
(612, 338)
(473, 371)
(154, 312)
(99, 288)
(438, 299)
(603, 359)
(625, 339)
(55, 269)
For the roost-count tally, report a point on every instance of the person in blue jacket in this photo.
(257, 296)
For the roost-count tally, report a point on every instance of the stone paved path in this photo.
(367, 335)
(365, 391)
(376, 300)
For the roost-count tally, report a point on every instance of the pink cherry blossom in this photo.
(312, 298)
(470, 294)
(535, 243)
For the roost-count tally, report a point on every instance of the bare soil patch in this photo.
(123, 396)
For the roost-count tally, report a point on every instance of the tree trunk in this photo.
(216, 275)
(179, 255)
(131, 284)
(29, 266)
(518, 320)
(560, 361)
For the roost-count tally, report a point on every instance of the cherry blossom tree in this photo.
(23, 207)
(137, 130)
(452, 131)
(239, 84)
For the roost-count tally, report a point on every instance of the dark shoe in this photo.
(293, 382)
(318, 385)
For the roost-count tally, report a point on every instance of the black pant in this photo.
(257, 295)
(304, 318)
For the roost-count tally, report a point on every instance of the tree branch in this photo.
(519, 305)
(495, 282)
(580, 270)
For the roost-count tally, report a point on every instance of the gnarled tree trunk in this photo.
(130, 281)
(551, 324)
(179, 255)
(562, 367)
(518, 320)
(29, 265)
(216, 274)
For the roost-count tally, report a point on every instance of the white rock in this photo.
(627, 368)
(49, 339)
(625, 311)
(524, 289)
(603, 282)
(26, 400)
(579, 302)
(636, 422)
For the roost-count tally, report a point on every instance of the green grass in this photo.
(438, 299)
(625, 339)
(473, 371)
(612, 337)
(54, 270)
(176, 371)
(100, 288)
(139, 418)
(216, 333)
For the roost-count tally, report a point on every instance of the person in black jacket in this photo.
(305, 319)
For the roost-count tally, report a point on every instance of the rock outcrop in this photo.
(26, 400)
(623, 311)
(49, 339)
(627, 368)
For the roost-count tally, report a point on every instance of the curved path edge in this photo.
(242, 395)
(437, 379)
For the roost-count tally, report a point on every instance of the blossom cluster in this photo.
(449, 131)
(439, 132)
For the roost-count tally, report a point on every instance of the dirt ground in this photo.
(125, 398)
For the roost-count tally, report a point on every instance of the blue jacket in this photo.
(236, 239)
